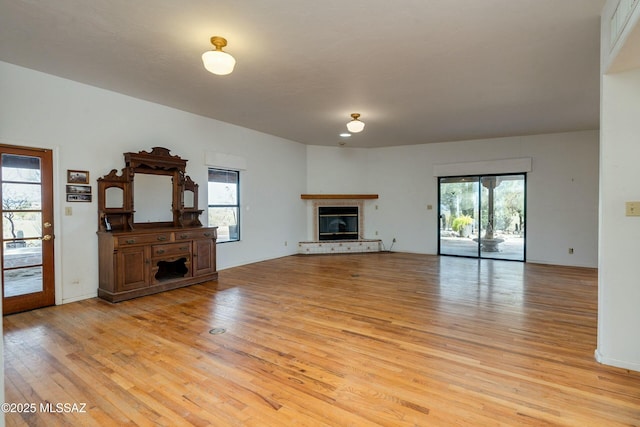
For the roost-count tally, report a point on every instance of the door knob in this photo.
(46, 237)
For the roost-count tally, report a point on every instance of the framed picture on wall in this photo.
(78, 197)
(78, 189)
(78, 193)
(77, 177)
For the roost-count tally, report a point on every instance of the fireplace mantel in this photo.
(338, 196)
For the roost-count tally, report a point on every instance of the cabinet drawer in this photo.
(170, 249)
(204, 233)
(140, 239)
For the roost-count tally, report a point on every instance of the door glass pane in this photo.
(21, 225)
(22, 253)
(21, 196)
(20, 168)
(502, 213)
(22, 281)
(458, 216)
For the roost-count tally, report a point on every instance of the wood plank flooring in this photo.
(383, 339)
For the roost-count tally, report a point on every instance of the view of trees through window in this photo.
(483, 216)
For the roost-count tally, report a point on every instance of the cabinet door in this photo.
(132, 268)
(204, 257)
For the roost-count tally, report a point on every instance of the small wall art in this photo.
(77, 177)
(78, 193)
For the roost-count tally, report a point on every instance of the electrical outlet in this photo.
(394, 240)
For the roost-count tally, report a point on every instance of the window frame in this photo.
(235, 206)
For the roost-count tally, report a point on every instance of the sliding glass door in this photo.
(482, 216)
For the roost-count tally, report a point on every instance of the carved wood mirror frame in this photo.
(158, 162)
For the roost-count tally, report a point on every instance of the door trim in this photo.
(57, 206)
(477, 179)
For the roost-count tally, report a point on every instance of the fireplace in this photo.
(338, 222)
(338, 225)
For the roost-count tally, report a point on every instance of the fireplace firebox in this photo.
(338, 222)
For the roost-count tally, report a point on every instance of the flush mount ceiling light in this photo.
(216, 61)
(355, 125)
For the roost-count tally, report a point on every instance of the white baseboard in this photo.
(600, 358)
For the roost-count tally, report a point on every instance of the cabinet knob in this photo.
(160, 251)
(130, 241)
(207, 234)
(162, 238)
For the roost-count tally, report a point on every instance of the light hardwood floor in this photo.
(385, 339)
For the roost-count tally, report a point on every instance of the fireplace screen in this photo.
(338, 223)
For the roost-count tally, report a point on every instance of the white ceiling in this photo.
(418, 71)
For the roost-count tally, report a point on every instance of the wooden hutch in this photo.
(150, 236)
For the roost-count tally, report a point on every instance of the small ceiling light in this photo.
(217, 61)
(345, 134)
(355, 125)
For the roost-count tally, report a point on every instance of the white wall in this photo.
(335, 171)
(618, 265)
(91, 128)
(562, 190)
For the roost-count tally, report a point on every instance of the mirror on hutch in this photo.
(149, 232)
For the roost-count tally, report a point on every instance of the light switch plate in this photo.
(632, 208)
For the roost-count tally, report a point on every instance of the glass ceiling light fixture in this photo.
(355, 125)
(216, 61)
